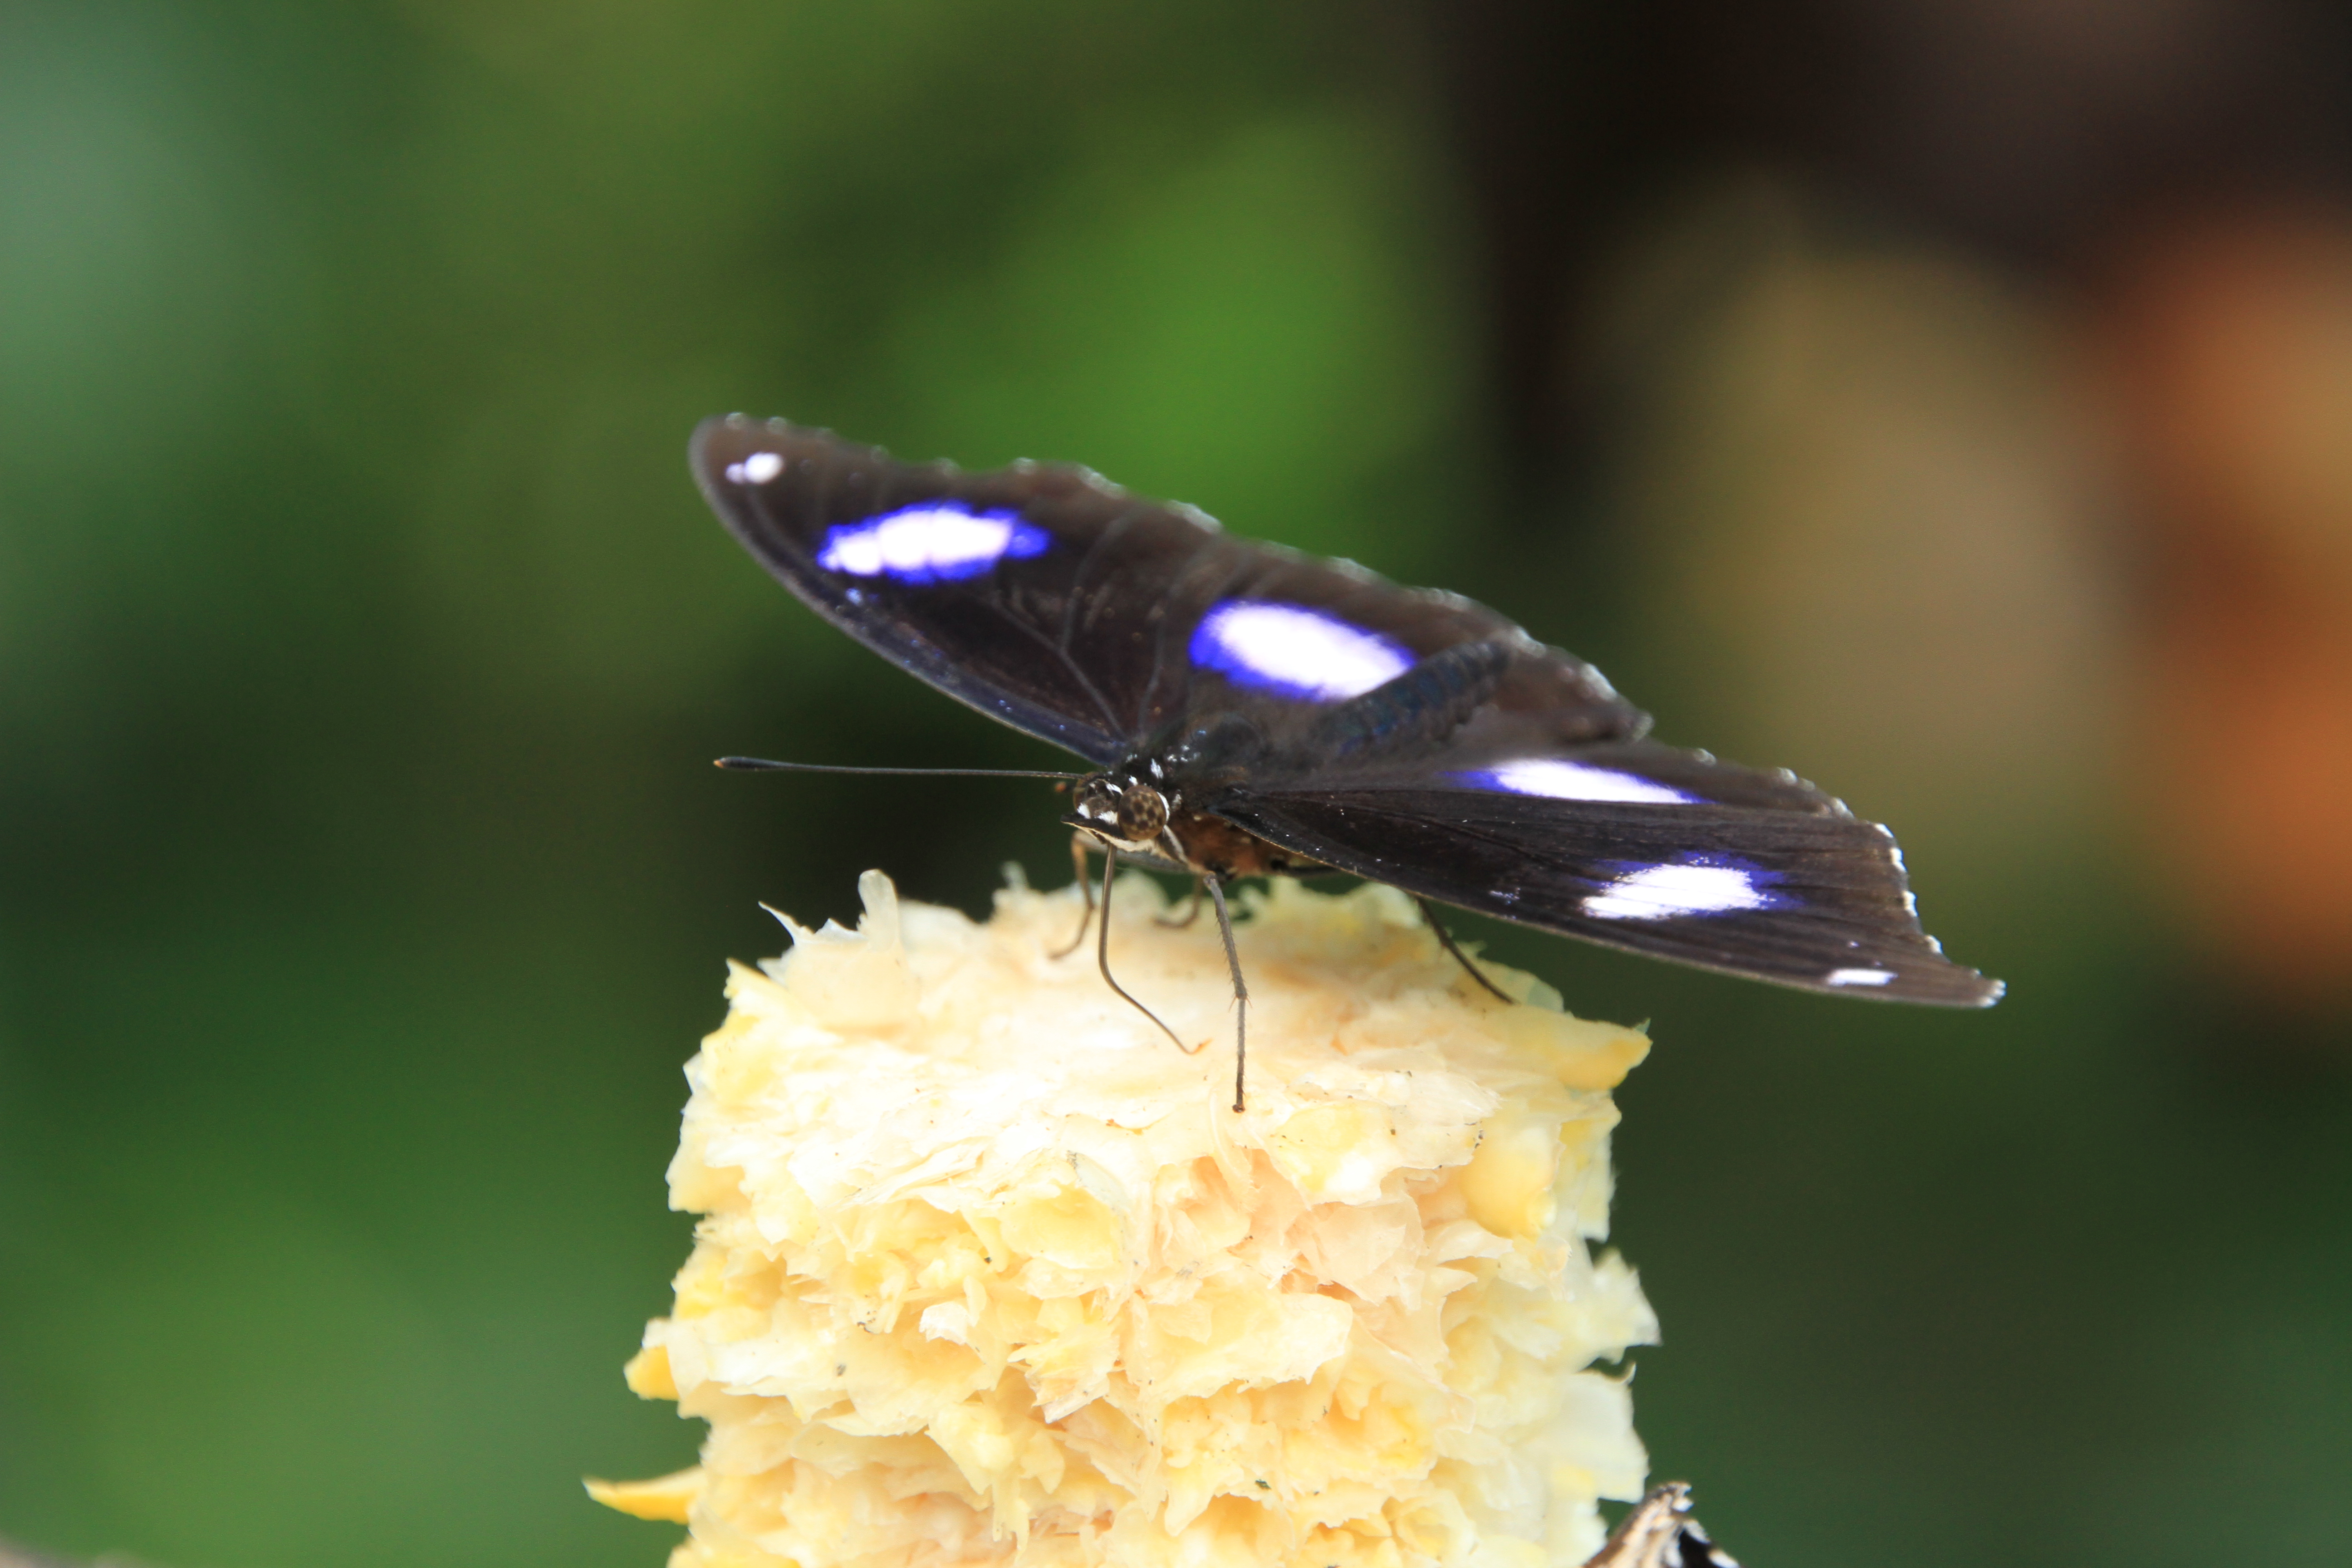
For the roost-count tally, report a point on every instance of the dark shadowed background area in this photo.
(1951, 401)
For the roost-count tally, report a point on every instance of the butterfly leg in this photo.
(1192, 911)
(1445, 940)
(1086, 891)
(1102, 954)
(1241, 988)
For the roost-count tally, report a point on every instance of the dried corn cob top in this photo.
(991, 1273)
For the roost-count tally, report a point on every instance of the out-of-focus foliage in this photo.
(365, 644)
(363, 648)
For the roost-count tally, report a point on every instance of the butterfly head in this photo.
(1124, 811)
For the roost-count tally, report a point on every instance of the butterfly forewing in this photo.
(1091, 617)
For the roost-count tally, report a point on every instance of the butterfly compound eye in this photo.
(1142, 813)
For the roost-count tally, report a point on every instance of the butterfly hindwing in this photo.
(1638, 846)
(1094, 618)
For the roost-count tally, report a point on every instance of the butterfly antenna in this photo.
(763, 765)
(1102, 957)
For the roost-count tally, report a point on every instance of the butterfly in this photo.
(1245, 711)
(1660, 1533)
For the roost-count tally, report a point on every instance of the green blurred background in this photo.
(1950, 401)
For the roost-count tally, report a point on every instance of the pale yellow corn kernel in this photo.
(990, 1273)
(664, 1498)
(647, 1374)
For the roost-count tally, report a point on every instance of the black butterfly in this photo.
(1253, 710)
(1660, 1533)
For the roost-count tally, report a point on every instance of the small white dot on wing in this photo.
(1860, 976)
(756, 469)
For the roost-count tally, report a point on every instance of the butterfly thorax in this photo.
(1131, 814)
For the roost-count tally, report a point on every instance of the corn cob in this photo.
(988, 1272)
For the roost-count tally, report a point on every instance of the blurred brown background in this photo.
(1951, 402)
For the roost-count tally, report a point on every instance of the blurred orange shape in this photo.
(2235, 341)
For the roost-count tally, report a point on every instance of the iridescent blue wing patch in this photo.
(1559, 778)
(930, 542)
(1685, 887)
(1293, 650)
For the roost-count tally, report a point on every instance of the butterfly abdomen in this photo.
(1213, 845)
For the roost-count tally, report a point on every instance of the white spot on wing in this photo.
(756, 469)
(1860, 976)
(932, 541)
(1691, 886)
(1555, 778)
(1295, 651)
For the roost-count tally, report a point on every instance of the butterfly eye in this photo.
(1142, 813)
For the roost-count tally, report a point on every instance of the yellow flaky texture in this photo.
(991, 1273)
